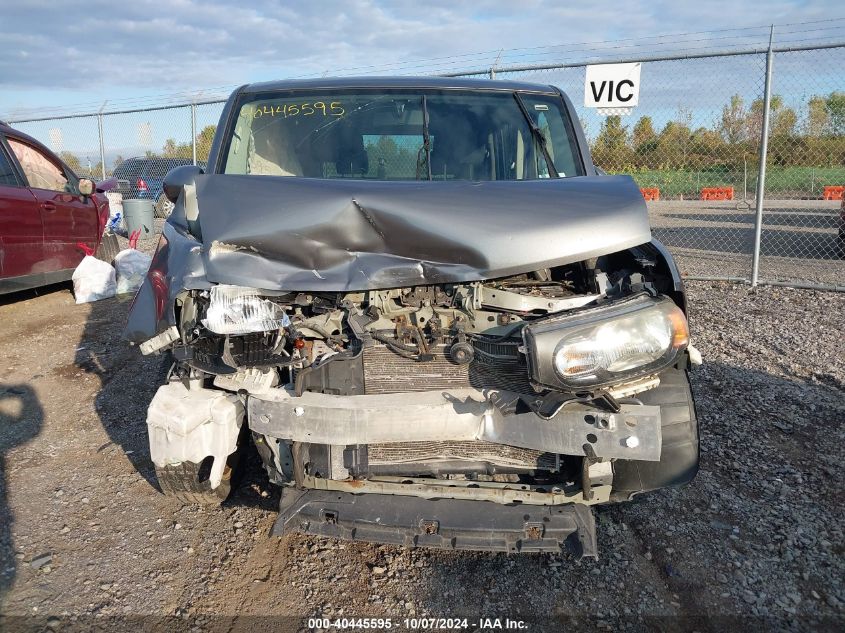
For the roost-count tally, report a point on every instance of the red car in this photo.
(46, 212)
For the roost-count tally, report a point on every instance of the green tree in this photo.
(71, 160)
(204, 139)
(707, 142)
(673, 143)
(172, 149)
(817, 117)
(835, 108)
(610, 150)
(732, 125)
(754, 118)
(386, 160)
(612, 135)
(643, 132)
(784, 122)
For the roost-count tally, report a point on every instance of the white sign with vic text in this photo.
(612, 85)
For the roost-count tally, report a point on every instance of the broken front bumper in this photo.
(455, 415)
(440, 523)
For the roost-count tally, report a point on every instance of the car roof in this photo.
(430, 83)
(5, 128)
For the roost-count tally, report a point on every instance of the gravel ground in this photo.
(86, 539)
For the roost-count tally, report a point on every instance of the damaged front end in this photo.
(412, 372)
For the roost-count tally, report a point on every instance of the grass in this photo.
(790, 182)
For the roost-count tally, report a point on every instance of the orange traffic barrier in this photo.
(717, 193)
(650, 193)
(836, 192)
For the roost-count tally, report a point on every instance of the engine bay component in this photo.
(236, 310)
(461, 353)
(538, 297)
(190, 425)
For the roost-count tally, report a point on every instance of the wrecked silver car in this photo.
(436, 321)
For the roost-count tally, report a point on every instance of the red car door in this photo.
(67, 217)
(21, 234)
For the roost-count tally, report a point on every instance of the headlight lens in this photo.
(238, 310)
(604, 345)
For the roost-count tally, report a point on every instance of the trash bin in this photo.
(138, 214)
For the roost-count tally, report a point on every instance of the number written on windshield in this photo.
(319, 108)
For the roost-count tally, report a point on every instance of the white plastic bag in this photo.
(93, 280)
(131, 268)
(115, 223)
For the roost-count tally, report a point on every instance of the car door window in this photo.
(7, 172)
(40, 171)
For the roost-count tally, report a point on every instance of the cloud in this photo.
(157, 47)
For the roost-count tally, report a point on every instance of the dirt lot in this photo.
(87, 540)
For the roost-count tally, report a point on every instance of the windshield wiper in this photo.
(426, 141)
(538, 135)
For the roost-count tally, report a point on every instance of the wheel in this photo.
(188, 482)
(108, 248)
(163, 207)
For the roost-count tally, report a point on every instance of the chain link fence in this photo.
(676, 143)
(803, 234)
(138, 147)
(693, 143)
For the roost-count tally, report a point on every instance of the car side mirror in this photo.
(177, 178)
(106, 185)
(86, 187)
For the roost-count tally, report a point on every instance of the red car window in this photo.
(41, 172)
(7, 172)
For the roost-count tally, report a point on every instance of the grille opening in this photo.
(497, 366)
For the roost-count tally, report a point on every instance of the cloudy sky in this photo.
(73, 55)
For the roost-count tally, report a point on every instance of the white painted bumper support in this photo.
(188, 425)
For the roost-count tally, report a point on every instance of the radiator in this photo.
(407, 452)
(388, 372)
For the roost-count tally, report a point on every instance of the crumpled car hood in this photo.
(296, 234)
(347, 235)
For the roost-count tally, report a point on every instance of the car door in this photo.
(67, 217)
(21, 232)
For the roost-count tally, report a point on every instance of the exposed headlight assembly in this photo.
(238, 310)
(601, 346)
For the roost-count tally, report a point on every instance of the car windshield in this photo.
(403, 135)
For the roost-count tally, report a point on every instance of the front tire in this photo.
(188, 482)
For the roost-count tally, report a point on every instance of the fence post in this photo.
(745, 180)
(495, 63)
(194, 131)
(761, 178)
(102, 144)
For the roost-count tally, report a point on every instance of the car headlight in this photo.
(600, 346)
(238, 310)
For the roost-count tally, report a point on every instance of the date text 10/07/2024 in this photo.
(416, 624)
